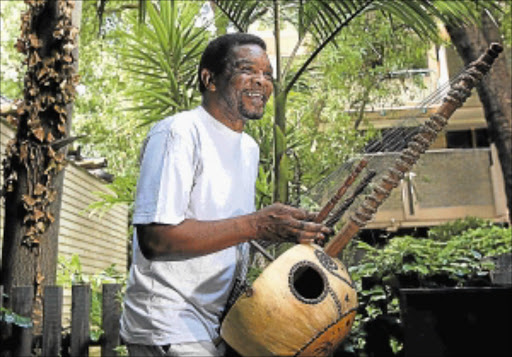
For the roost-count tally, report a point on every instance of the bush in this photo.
(70, 273)
(454, 254)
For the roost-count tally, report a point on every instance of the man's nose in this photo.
(260, 79)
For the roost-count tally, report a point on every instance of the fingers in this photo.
(279, 222)
(307, 237)
(310, 227)
(304, 232)
(302, 214)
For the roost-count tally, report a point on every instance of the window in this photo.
(460, 139)
(482, 138)
(467, 139)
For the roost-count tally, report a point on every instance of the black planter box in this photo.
(457, 321)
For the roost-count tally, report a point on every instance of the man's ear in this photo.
(207, 78)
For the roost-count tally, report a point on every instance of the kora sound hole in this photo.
(308, 283)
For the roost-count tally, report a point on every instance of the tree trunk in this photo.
(35, 159)
(280, 159)
(281, 162)
(494, 90)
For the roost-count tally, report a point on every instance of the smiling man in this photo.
(194, 209)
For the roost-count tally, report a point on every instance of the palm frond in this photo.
(324, 12)
(161, 58)
(242, 13)
(423, 16)
(324, 19)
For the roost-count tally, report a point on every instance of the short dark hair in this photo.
(215, 56)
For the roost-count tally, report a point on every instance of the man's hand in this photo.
(279, 223)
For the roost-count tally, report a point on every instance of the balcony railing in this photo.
(445, 185)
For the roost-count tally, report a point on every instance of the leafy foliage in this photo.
(11, 61)
(455, 254)
(322, 20)
(162, 59)
(69, 272)
(261, 131)
(505, 23)
(459, 258)
(147, 67)
(321, 137)
(325, 108)
(151, 69)
(110, 131)
(243, 14)
(123, 192)
(10, 317)
(448, 230)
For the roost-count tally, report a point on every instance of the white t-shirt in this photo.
(192, 166)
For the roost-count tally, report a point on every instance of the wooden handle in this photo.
(324, 212)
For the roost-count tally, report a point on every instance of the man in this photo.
(194, 210)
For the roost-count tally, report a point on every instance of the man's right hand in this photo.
(282, 223)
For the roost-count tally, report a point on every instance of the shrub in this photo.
(454, 254)
(70, 273)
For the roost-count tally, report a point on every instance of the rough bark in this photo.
(34, 167)
(494, 91)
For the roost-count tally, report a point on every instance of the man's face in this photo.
(246, 84)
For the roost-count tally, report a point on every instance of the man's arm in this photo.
(193, 238)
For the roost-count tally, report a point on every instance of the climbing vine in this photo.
(42, 116)
(36, 157)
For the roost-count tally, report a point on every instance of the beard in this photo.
(249, 114)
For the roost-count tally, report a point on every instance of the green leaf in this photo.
(11, 317)
(162, 58)
(242, 13)
(408, 267)
(422, 269)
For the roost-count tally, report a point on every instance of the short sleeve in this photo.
(166, 178)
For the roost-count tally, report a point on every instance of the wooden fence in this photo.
(54, 340)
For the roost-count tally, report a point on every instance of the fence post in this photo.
(22, 299)
(52, 321)
(111, 308)
(80, 307)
